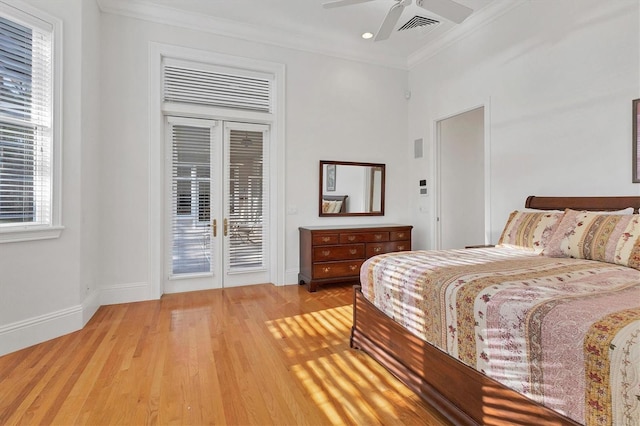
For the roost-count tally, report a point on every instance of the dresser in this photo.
(331, 254)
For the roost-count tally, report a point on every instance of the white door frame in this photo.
(276, 120)
(437, 137)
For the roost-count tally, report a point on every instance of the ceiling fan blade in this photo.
(448, 9)
(386, 28)
(340, 3)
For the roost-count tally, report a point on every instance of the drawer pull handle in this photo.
(353, 267)
(377, 249)
(378, 237)
(326, 252)
(400, 234)
(400, 248)
(326, 239)
(353, 251)
(326, 269)
(351, 238)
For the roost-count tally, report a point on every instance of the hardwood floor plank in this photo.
(240, 356)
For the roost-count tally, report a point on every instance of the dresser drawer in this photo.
(326, 239)
(399, 235)
(346, 268)
(380, 248)
(347, 251)
(364, 237)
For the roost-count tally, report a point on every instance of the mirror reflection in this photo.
(351, 189)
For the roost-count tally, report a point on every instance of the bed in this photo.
(539, 330)
(332, 204)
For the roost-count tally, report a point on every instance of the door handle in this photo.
(215, 228)
(226, 226)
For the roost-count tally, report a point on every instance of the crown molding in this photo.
(138, 9)
(476, 21)
(243, 31)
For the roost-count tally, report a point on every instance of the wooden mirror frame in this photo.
(636, 140)
(337, 197)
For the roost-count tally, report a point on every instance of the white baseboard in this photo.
(22, 334)
(29, 332)
(125, 293)
(291, 276)
(90, 305)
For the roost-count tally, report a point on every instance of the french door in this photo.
(216, 189)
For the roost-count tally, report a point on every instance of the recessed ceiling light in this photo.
(367, 36)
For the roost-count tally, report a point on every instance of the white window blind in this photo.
(191, 199)
(190, 84)
(26, 134)
(247, 197)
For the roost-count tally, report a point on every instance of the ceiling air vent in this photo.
(418, 21)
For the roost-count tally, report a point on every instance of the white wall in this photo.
(46, 286)
(335, 110)
(90, 158)
(557, 79)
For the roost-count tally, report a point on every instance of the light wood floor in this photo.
(250, 355)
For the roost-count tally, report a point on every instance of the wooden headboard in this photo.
(582, 203)
(343, 198)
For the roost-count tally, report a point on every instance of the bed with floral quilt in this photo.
(543, 328)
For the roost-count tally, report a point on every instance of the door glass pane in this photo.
(246, 200)
(191, 199)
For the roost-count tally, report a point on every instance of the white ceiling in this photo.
(306, 25)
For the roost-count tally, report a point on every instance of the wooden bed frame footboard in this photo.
(460, 393)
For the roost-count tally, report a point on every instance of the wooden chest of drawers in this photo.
(335, 254)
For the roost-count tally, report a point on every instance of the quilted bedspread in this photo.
(564, 332)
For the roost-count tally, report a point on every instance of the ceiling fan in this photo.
(448, 9)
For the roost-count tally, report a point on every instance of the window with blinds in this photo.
(189, 84)
(26, 134)
(191, 199)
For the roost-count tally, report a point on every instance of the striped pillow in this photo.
(595, 236)
(529, 230)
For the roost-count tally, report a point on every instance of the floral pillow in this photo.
(595, 236)
(529, 230)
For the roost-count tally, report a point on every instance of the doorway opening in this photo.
(462, 199)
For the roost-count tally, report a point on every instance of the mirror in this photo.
(351, 189)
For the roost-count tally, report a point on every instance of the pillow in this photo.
(596, 236)
(331, 206)
(529, 230)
